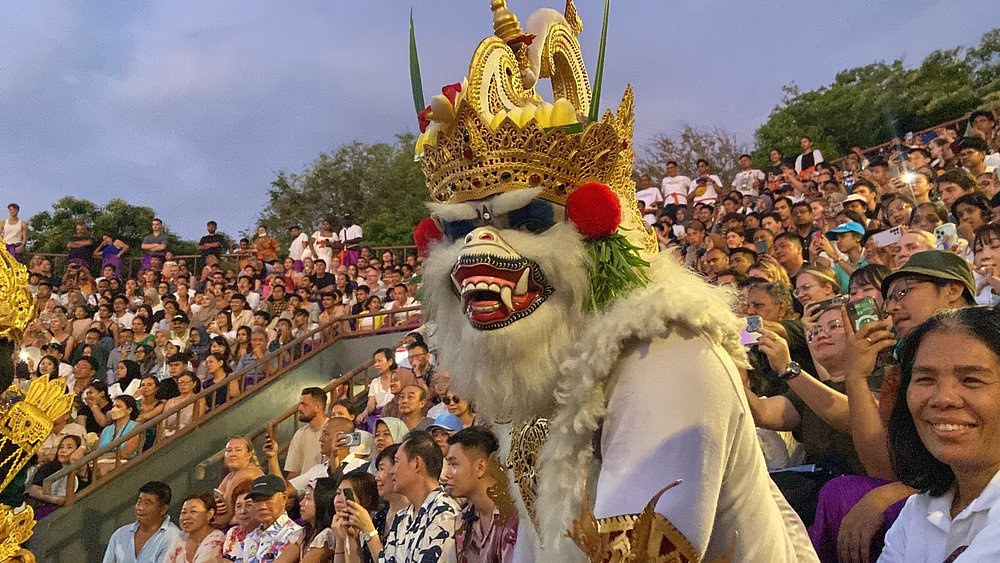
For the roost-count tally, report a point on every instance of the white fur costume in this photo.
(657, 367)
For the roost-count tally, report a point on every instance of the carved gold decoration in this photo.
(525, 444)
(26, 423)
(499, 493)
(647, 537)
(15, 528)
(17, 306)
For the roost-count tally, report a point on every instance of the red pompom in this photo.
(424, 234)
(595, 210)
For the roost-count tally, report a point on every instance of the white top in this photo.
(115, 390)
(675, 189)
(382, 394)
(323, 470)
(925, 530)
(323, 246)
(297, 246)
(744, 181)
(817, 158)
(710, 195)
(12, 232)
(354, 231)
(649, 197)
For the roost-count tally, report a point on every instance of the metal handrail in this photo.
(139, 430)
(201, 468)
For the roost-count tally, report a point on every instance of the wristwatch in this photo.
(791, 372)
(365, 538)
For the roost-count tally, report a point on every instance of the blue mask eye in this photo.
(455, 230)
(535, 217)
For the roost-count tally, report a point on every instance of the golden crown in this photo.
(25, 423)
(17, 306)
(493, 133)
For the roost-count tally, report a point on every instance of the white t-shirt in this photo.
(323, 247)
(710, 195)
(925, 530)
(649, 197)
(352, 232)
(744, 181)
(297, 246)
(675, 189)
(382, 394)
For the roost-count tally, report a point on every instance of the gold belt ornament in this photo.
(525, 444)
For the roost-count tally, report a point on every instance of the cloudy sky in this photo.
(191, 107)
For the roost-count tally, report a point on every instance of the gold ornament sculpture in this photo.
(25, 418)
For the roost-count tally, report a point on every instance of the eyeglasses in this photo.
(901, 289)
(802, 290)
(451, 400)
(817, 330)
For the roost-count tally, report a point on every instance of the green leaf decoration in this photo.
(595, 101)
(415, 82)
(616, 269)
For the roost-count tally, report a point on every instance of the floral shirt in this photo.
(232, 547)
(209, 550)
(426, 535)
(477, 545)
(267, 544)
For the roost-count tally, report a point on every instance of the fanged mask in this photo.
(497, 285)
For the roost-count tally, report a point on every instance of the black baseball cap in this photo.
(266, 487)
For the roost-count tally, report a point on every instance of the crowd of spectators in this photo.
(858, 281)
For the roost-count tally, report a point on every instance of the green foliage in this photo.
(616, 269)
(380, 184)
(869, 105)
(715, 145)
(49, 231)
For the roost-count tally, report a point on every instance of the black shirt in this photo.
(326, 280)
(90, 423)
(216, 251)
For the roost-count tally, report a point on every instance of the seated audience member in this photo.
(479, 533)
(379, 392)
(911, 242)
(388, 431)
(462, 409)
(127, 379)
(44, 503)
(986, 246)
(815, 283)
(338, 458)
(426, 529)
(317, 542)
(364, 544)
(440, 384)
(241, 463)
(375, 322)
(305, 449)
(244, 520)
(61, 427)
(944, 440)
(412, 402)
(186, 383)
(216, 372)
(867, 282)
(772, 302)
(123, 414)
(971, 211)
(198, 541)
(148, 538)
(93, 415)
(815, 421)
(443, 427)
(400, 378)
(929, 216)
(149, 407)
(276, 532)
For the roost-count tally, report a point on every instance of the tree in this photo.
(870, 105)
(715, 145)
(49, 231)
(379, 184)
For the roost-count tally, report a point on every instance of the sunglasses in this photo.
(451, 400)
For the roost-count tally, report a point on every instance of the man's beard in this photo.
(306, 417)
(511, 372)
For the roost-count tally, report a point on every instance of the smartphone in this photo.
(762, 247)
(817, 235)
(888, 237)
(827, 304)
(349, 494)
(838, 207)
(350, 440)
(217, 493)
(679, 231)
(946, 236)
(863, 312)
(751, 332)
(271, 434)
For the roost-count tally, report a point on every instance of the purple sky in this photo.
(191, 107)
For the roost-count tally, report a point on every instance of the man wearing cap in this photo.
(277, 531)
(846, 256)
(441, 429)
(858, 203)
(180, 329)
(929, 282)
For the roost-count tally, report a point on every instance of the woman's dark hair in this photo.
(131, 404)
(388, 452)
(985, 234)
(156, 382)
(365, 489)
(323, 494)
(221, 341)
(872, 275)
(389, 355)
(911, 460)
(976, 200)
(225, 366)
(55, 364)
(132, 372)
(76, 439)
(208, 499)
(147, 322)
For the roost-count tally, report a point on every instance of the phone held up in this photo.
(350, 440)
(751, 333)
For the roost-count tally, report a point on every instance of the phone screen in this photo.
(863, 312)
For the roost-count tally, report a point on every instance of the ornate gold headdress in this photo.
(493, 133)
